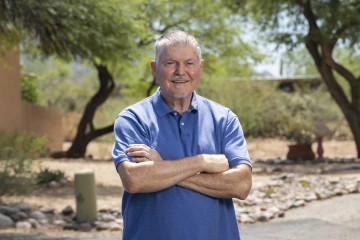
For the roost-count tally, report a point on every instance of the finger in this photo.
(137, 148)
(139, 159)
(137, 154)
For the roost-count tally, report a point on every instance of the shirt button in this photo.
(182, 124)
(175, 113)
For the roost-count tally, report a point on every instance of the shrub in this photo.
(16, 167)
(46, 176)
(29, 90)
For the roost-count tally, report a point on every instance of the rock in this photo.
(264, 216)
(310, 197)
(115, 227)
(23, 225)
(34, 223)
(59, 222)
(23, 207)
(18, 216)
(6, 210)
(63, 182)
(70, 226)
(244, 218)
(299, 203)
(39, 216)
(106, 217)
(67, 211)
(54, 184)
(119, 221)
(101, 226)
(5, 221)
(84, 227)
(47, 210)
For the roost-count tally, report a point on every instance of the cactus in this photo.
(86, 208)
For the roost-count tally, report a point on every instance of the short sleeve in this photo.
(233, 143)
(127, 130)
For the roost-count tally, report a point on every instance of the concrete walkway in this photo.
(333, 219)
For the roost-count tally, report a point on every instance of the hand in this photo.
(142, 153)
(215, 163)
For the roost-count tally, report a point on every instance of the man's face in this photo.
(178, 72)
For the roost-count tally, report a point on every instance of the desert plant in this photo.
(16, 167)
(46, 176)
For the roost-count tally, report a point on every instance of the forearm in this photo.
(152, 176)
(233, 183)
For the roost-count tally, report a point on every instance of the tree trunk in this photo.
(351, 110)
(86, 131)
(152, 85)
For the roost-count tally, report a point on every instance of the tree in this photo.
(321, 26)
(113, 32)
(97, 31)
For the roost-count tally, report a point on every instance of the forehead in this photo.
(178, 52)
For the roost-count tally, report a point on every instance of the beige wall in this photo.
(19, 116)
(43, 121)
(10, 94)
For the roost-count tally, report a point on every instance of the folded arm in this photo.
(149, 173)
(233, 183)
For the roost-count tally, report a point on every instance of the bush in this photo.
(46, 176)
(29, 90)
(265, 111)
(16, 167)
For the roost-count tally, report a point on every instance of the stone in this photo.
(84, 227)
(7, 210)
(23, 207)
(299, 203)
(59, 222)
(115, 227)
(119, 221)
(23, 225)
(18, 216)
(68, 210)
(70, 226)
(106, 217)
(34, 223)
(39, 216)
(244, 218)
(54, 184)
(5, 221)
(101, 226)
(47, 210)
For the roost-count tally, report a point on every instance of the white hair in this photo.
(175, 38)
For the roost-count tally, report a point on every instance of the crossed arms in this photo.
(206, 174)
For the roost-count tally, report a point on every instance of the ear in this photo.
(153, 67)
(202, 64)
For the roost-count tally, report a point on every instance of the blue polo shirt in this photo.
(177, 213)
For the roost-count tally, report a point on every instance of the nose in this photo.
(180, 69)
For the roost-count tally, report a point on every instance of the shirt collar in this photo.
(162, 108)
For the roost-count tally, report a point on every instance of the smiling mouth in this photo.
(179, 81)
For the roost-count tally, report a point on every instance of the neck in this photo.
(179, 104)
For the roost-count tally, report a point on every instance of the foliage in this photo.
(322, 27)
(23, 145)
(90, 29)
(265, 111)
(66, 86)
(16, 170)
(29, 91)
(46, 176)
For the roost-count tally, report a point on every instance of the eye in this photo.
(190, 63)
(169, 63)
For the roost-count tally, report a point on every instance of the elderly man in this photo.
(180, 157)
